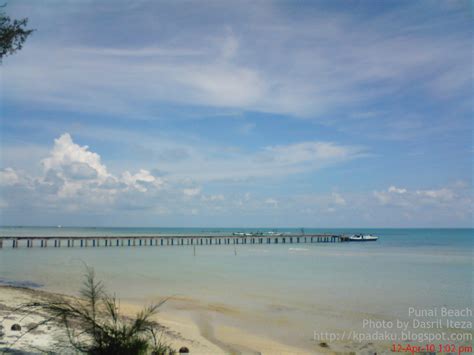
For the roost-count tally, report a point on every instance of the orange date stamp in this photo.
(432, 348)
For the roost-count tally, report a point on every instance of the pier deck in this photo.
(162, 240)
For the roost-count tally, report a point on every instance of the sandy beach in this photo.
(176, 331)
(199, 336)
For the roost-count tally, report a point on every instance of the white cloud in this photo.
(275, 161)
(65, 186)
(70, 159)
(443, 194)
(227, 86)
(76, 169)
(8, 177)
(308, 152)
(205, 162)
(397, 190)
(141, 180)
(218, 197)
(444, 206)
(349, 60)
(338, 199)
(403, 197)
(393, 195)
(73, 176)
(272, 202)
(382, 197)
(191, 192)
(182, 156)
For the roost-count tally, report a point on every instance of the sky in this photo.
(239, 114)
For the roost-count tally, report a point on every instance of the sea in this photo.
(288, 292)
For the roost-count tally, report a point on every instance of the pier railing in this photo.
(142, 241)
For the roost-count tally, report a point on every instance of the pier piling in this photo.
(110, 241)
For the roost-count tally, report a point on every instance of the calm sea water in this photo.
(285, 291)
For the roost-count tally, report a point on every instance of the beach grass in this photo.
(94, 324)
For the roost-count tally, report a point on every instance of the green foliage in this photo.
(13, 34)
(94, 324)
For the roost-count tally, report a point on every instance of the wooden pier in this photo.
(157, 241)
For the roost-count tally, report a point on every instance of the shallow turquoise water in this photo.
(281, 290)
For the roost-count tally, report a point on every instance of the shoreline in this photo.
(177, 331)
(186, 323)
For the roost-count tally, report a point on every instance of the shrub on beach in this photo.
(94, 325)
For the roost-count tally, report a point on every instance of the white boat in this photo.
(363, 238)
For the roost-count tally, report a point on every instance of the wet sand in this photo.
(200, 336)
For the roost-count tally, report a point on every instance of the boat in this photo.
(363, 238)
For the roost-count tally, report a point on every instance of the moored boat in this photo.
(363, 238)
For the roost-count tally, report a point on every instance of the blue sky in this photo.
(219, 113)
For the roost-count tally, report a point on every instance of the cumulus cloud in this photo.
(78, 170)
(74, 179)
(69, 159)
(141, 180)
(74, 176)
